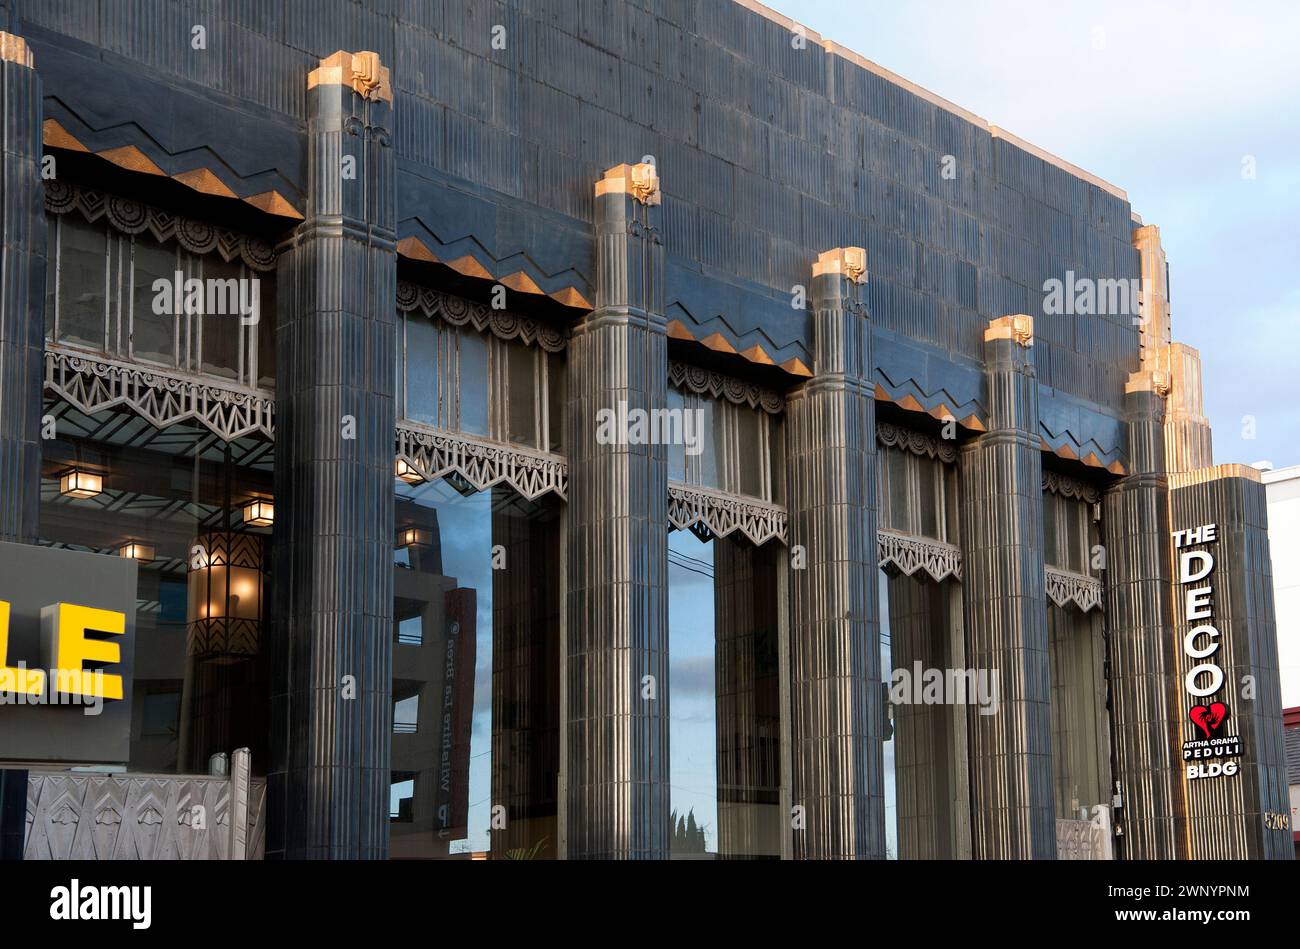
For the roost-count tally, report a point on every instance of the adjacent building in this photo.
(602, 430)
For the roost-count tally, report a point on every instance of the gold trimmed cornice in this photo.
(849, 262)
(363, 71)
(202, 180)
(1184, 479)
(1019, 327)
(14, 49)
(56, 136)
(412, 248)
(641, 181)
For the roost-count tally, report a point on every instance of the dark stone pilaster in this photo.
(1005, 607)
(616, 795)
(331, 703)
(22, 292)
(836, 727)
(1143, 654)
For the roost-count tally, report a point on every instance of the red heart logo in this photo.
(1209, 719)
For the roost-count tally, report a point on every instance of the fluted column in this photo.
(838, 778)
(22, 292)
(1135, 518)
(331, 704)
(616, 658)
(1005, 607)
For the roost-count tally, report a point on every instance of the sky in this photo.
(1168, 101)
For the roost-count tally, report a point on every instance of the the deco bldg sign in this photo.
(1209, 752)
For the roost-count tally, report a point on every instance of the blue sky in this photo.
(1164, 100)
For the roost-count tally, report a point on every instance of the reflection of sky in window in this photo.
(886, 672)
(465, 526)
(692, 704)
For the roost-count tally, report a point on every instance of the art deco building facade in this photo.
(390, 558)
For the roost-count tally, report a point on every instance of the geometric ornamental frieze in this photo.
(708, 514)
(1071, 488)
(1065, 588)
(905, 439)
(458, 311)
(141, 817)
(706, 382)
(132, 217)
(93, 384)
(909, 554)
(432, 454)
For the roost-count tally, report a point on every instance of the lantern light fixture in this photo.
(259, 512)
(409, 537)
(135, 550)
(78, 483)
(406, 472)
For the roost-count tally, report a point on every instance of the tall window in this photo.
(132, 297)
(928, 691)
(917, 495)
(1080, 734)
(725, 698)
(459, 379)
(733, 448)
(178, 501)
(476, 667)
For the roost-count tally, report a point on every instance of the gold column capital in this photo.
(1148, 380)
(850, 262)
(1018, 327)
(640, 180)
(363, 71)
(14, 49)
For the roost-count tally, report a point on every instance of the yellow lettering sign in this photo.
(13, 679)
(67, 649)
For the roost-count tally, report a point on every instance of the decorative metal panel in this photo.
(1069, 487)
(909, 554)
(132, 217)
(461, 312)
(896, 436)
(706, 382)
(1085, 839)
(163, 397)
(709, 514)
(138, 817)
(1064, 587)
(434, 454)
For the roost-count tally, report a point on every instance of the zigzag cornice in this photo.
(1065, 445)
(755, 346)
(938, 404)
(130, 145)
(468, 257)
(452, 243)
